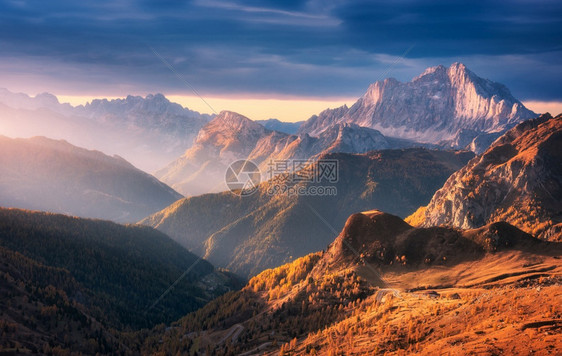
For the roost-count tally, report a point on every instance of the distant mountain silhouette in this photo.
(44, 174)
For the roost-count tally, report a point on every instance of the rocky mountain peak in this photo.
(433, 108)
(158, 97)
(229, 124)
(457, 69)
(154, 104)
(375, 92)
(233, 119)
(432, 72)
(518, 179)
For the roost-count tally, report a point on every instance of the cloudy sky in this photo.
(285, 59)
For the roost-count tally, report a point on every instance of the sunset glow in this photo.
(298, 177)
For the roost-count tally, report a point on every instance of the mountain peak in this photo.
(234, 121)
(458, 66)
(431, 108)
(362, 231)
(439, 69)
(456, 69)
(158, 97)
(517, 179)
(459, 70)
(231, 131)
(227, 115)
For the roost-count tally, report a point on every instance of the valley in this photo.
(440, 233)
(250, 234)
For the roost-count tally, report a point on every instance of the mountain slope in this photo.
(114, 272)
(149, 131)
(44, 174)
(367, 293)
(518, 180)
(39, 310)
(449, 105)
(230, 137)
(227, 138)
(250, 233)
(338, 138)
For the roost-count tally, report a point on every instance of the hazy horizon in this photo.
(284, 108)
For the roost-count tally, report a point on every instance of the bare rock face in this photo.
(441, 105)
(517, 180)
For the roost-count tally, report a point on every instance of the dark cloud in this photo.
(292, 47)
(445, 28)
(276, 4)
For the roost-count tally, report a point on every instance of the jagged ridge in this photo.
(518, 180)
(436, 106)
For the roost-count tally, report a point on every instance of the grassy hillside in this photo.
(352, 300)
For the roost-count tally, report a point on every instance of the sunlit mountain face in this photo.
(305, 177)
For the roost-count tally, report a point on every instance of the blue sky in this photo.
(274, 49)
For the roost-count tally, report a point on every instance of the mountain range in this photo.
(448, 107)
(230, 137)
(149, 131)
(518, 179)
(43, 174)
(248, 234)
(281, 126)
(475, 266)
(443, 107)
(451, 106)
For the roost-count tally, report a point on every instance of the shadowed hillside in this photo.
(248, 234)
(118, 271)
